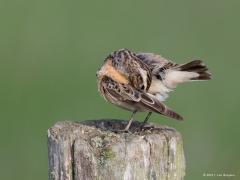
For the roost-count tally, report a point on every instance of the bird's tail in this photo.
(197, 67)
(194, 70)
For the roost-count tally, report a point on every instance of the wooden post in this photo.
(92, 150)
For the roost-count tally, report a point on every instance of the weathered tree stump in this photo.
(92, 150)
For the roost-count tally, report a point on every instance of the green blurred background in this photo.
(50, 51)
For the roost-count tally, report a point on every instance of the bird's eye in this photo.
(142, 87)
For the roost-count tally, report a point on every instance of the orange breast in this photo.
(111, 72)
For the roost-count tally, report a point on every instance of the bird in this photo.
(141, 82)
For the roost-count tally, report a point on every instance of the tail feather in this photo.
(198, 67)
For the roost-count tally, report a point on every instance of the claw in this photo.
(121, 131)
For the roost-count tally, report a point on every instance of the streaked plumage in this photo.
(141, 82)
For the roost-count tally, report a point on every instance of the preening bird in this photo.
(140, 82)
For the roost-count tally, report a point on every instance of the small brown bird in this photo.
(142, 81)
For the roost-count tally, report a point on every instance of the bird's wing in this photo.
(128, 94)
(137, 72)
(172, 74)
(164, 74)
(156, 62)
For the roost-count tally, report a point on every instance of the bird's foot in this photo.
(143, 127)
(121, 130)
(148, 127)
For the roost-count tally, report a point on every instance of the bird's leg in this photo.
(130, 121)
(146, 119)
(148, 116)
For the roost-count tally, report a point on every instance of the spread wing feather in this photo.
(156, 62)
(154, 59)
(171, 73)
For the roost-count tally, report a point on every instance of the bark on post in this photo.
(91, 150)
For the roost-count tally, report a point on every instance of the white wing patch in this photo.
(159, 89)
(174, 77)
(144, 76)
